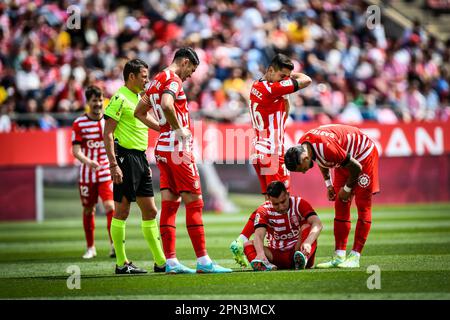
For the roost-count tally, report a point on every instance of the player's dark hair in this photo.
(92, 91)
(275, 188)
(292, 157)
(281, 61)
(133, 67)
(187, 52)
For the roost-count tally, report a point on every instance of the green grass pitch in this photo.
(410, 244)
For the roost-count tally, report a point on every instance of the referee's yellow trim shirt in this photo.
(130, 131)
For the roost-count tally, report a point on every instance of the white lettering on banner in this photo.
(424, 141)
(398, 145)
(212, 145)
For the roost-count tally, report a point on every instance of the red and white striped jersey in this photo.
(283, 230)
(268, 114)
(334, 144)
(168, 82)
(89, 134)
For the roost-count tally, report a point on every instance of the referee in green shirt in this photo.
(126, 140)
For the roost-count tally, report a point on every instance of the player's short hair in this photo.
(187, 52)
(275, 188)
(292, 157)
(92, 91)
(133, 67)
(281, 61)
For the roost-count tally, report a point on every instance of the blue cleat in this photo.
(300, 260)
(212, 268)
(179, 268)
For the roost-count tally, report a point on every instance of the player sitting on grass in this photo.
(292, 228)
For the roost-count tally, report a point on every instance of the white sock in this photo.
(356, 253)
(172, 262)
(204, 260)
(243, 238)
(341, 253)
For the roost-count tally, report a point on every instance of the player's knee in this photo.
(89, 211)
(108, 205)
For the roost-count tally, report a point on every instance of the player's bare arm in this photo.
(167, 105)
(302, 79)
(142, 112)
(329, 185)
(354, 168)
(108, 138)
(258, 242)
(77, 153)
(316, 228)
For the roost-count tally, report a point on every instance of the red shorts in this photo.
(89, 192)
(269, 170)
(178, 172)
(285, 259)
(368, 181)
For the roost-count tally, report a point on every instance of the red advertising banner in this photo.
(228, 143)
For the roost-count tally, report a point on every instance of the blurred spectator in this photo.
(359, 74)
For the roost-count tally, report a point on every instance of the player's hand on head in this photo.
(331, 193)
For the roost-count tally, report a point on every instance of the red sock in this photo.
(342, 224)
(89, 226)
(167, 227)
(364, 223)
(194, 225)
(249, 228)
(109, 216)
(250, 252)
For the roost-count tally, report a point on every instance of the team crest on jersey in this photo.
(196, 184)
(363, 180)
(257, 217)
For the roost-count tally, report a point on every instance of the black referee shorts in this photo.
(137, 176)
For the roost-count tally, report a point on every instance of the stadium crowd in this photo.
(358, 73)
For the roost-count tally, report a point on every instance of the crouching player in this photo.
(292, 228)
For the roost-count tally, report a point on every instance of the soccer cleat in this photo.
(90, 253)
(178, 268)
(112, 252)
(260, 265)
(237, 249)
(352, 261)
(212, 267)
(332, 263)
(159, 269)
(129, 268)
(300, 260)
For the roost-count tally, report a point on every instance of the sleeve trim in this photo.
(261, 225)
(76, 142)
(347, 160)
(310, 215)
(170, 92)
(295, 83)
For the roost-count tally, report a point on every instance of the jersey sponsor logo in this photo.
(322, 133)
(286, 83)
(363, 180)
(95, 144)
(256, 93)
(291, 235)
(174, 87)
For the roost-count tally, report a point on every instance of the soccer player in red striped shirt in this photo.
(95, 178)
(292, 228)
(354, 157)
(269, 109)
(174, 155)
